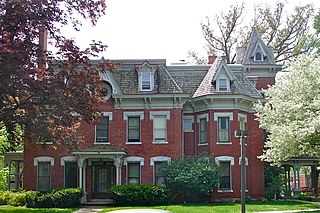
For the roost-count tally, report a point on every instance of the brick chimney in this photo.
(43, 37)
(211, 59)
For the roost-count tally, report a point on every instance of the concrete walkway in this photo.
(89, 209)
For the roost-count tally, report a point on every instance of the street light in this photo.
(242, 134)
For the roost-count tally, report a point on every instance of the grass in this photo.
(36, 210)
(230, 208)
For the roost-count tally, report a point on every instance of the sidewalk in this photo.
(89, 209)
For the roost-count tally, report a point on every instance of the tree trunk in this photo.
(314, 180)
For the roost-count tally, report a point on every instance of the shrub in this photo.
(17, 199)
(62, 198)
(304, 196)
(5, 197)
(192, 177)
(139, 195)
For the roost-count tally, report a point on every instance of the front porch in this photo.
(99, 168)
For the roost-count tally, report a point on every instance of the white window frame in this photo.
(65, 159)
(104, 114)
(152, 116)
(189, 118)
(201, 117)
(226, 159)
(43, 159)
(158, 159)
(216, 118)
(126, 116)
(133, 159)
(148, 75)
(255, 56)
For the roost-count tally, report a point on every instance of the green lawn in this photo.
(230, 208)
(24, 209)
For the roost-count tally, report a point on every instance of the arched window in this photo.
(258, 56)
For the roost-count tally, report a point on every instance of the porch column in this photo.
(118, 164)
(296, 170)
(81, 164)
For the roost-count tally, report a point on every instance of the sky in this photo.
(158, 29)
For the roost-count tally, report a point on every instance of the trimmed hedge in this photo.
(57, 198)
(139, 195)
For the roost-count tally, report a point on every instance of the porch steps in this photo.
(99, 202)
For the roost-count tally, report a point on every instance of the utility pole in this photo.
(243, 134)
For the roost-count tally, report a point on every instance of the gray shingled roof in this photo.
(240, 85)
(254, 40)
(127, 79)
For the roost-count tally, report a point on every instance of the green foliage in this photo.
(305, 196)
(292, 112)
(139, 195)
(274, 181)
(4, 172)
(18, 199)
(62, 198)
(192, 176)
(5, 197)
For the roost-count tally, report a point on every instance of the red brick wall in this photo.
(263, 82)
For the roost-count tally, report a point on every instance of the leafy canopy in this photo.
(192, 176)
(47, 94)
(292, 113)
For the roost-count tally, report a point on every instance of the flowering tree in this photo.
(292, 113)
(47, 101)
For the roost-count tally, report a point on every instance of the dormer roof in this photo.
(255, 45)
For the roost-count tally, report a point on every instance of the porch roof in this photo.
(302, 161)
(100, 150)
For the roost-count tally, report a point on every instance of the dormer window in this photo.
(258, 56)
(146, 76)
(146, 81)
(222, 85)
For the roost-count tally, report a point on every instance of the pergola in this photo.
(296, 163)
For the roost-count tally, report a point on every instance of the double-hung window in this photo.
(146, 81)
(102, 131)
(134, 129)
(225, 180)
(160, 128)
(258, 56)
(70, 175)
(133, 172)
(223, 85)
(158, 174)
(203, 131)
(223, 129)
(43, 175)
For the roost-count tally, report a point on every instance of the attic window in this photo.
(222, 85)
(258, 56)
(146, 81)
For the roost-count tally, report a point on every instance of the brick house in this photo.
(155, 113)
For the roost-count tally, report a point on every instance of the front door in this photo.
(102, 179)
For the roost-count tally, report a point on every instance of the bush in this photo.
(18, 199)
(139, 195)
(5, 197)
(62, 198)
(304, 196)
(192, 177)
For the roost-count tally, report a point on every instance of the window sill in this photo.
(160, 142)
(203, 144)
(101, 143)
(188, 131)
(133, 143)
(225, 190)
(228, 142)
